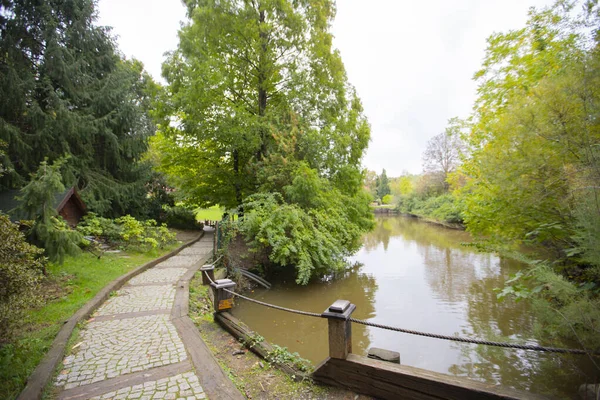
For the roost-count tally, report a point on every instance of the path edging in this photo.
(213, 379)
(43, 373)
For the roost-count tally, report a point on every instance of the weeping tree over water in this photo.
(259, 116)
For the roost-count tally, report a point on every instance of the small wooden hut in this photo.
(68, 204)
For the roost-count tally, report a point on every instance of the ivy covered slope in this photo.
(65, 90)
(259, 117)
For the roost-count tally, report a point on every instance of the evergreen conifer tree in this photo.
(64, 89)
(49, 230)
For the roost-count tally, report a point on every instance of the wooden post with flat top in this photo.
(208, 273)
(222, 300)
(340, 328)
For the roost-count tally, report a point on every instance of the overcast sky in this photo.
(412, 62)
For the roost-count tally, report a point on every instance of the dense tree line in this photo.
(66, 91)
(524, 168)
(534, 166)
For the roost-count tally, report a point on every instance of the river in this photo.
(419, 276)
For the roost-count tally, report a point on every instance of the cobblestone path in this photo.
(131, 348)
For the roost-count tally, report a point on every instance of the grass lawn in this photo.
(67, 288)
(212, 214)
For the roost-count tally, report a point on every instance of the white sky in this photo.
(411, 61)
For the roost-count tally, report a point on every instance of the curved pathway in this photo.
(139, 343)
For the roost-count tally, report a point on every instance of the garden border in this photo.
(39, 378)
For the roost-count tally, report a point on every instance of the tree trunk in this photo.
(262, 91)
(236, 184)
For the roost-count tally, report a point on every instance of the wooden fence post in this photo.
(215, 238)
(340, 328)
(208, 271)
(222, 300)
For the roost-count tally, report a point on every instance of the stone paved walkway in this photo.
(131, 348)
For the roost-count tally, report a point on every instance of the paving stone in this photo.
(195, 250)
(185, 261)
(149, 391)
(112, 348)
(127, 343)
(163, 275)
(140, 298)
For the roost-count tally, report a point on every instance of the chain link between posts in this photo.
(425, 334)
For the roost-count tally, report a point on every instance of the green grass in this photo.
(75, 282)
(213, 213)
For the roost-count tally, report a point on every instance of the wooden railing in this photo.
(380, 379)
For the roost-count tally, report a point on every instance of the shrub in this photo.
(20, 271)
(99, 227)
(179, 217)
(387, 199)
(127, 232)
(314, 242)
(143, 235)
(446, 207)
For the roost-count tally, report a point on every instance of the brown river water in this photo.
(419, 276)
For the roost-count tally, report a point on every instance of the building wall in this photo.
(71, 212)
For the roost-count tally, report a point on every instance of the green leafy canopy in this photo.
(258, 103)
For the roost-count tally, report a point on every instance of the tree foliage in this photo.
(65, 90)
(49, 230)
(312, 238)
(535, 137)
(382, 184)
(21, 268)
(444, 151)
(534, 164)
(370, 182)
(258, 103)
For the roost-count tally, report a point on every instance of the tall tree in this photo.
(65, 90)
(535, 138)
(49, 230)
(443, 153)
(383, 185)
(258, 102)
(370, 182)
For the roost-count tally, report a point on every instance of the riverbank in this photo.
(254, 377)
(384, 209)
(430, 220)
(393, 210)
(445, 210)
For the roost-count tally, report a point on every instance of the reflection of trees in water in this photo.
(450, 272)
(308, 335)
(551, 374)
(450, 268)
(460, 275)
(412, 230)
(381, 233)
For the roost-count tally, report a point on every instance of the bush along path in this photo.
(139, 345)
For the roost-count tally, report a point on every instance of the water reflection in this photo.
(419, 276)
(551, 374)
(306, 335)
